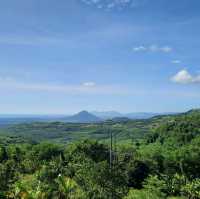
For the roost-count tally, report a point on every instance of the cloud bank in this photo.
(111, 4)
(153, 48)
(184, 77)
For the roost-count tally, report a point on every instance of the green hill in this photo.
(126, 130)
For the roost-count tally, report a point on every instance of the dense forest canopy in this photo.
(153, 158)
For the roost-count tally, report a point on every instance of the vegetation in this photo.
(156, 158)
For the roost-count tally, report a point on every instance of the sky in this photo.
(61, 57)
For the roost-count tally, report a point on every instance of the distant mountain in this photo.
(82, 117)
(137, 115)
(107, 114)
(141, 115)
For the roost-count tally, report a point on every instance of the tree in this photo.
(3, 154)
(192, 189)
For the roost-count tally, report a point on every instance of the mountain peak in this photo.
(83, 117)
(83, 112)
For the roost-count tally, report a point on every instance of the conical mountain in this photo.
(83, 117)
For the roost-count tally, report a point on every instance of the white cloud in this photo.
(176, 61)
(184, 77)
(139, 48)
(111, 4)
(89, 84)
(153, 48)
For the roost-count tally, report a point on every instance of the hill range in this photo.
(81, 117)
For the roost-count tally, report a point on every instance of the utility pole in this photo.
(111, 148)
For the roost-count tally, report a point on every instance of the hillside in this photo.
(157, 158)
(107, 114)
(127, 130)
(179, 129)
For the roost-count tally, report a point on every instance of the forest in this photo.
(156, 158)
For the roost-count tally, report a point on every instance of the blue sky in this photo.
(125, 55)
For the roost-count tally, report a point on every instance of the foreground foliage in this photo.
(164, 164)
